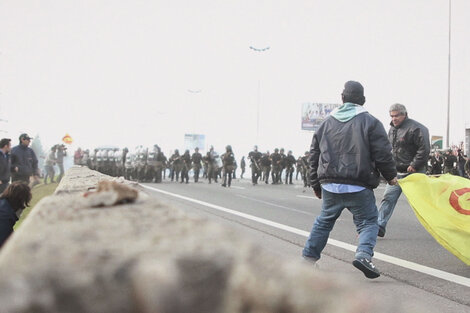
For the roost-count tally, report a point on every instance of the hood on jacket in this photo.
(347, 111)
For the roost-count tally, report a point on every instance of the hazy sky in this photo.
(118, 72)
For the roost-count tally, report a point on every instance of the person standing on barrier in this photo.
(348, 153)
(13, 200)
(5, 163)
(411, 147)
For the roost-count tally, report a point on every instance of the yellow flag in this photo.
(442, 205)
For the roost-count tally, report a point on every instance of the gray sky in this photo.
(118, 72)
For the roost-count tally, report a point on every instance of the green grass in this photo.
(39, 191)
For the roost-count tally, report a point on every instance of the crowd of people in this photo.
(151, 165)
(449, 161)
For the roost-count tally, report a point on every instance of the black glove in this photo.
(317, 193)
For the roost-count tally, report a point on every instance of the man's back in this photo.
(352, 152)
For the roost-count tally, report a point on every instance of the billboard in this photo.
(313, 114)
(191, 141)
(436, 142)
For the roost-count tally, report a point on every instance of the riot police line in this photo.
(145, 164)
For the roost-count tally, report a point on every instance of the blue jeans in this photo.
(391, 195)
(362, 206)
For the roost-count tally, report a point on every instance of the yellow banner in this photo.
(442, 205)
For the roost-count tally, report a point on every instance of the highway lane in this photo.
(296, 207)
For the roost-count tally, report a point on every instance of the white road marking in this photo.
(237, 187)
(308, 197)
(464, 281)
(276, 205)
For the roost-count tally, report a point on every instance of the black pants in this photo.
(196, 170)
(254, 174)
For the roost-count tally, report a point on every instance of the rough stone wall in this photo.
(148, 257)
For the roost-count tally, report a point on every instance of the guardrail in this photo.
(148, 257)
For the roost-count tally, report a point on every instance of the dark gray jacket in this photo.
(5, 173)
(410, 143)
(355, 152)
(25, 159)
(7, 220)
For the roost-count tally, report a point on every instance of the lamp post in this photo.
(259, 50)
(448, 79)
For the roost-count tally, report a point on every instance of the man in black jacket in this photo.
(348, 153)
(5, 171)
(24, 162)
(411, 147)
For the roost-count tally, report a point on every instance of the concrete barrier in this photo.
(148, 257)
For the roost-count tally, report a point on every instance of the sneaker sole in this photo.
(367, 272)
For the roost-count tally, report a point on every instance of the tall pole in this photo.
(448, 78)
(259, 95)
(257, 111)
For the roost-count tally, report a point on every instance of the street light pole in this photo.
(259, 94)
(448, 79)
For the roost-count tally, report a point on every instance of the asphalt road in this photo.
(415, 268)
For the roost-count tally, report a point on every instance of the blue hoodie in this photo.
(347, 111)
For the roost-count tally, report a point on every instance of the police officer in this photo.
(160, 164)
(175, 165)
(196, 159)
(186, 166)
(282, 164)
(276, 166)
(290, 162)
(209, 162)
(228, 162)
(255, 156)
(266, 166)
